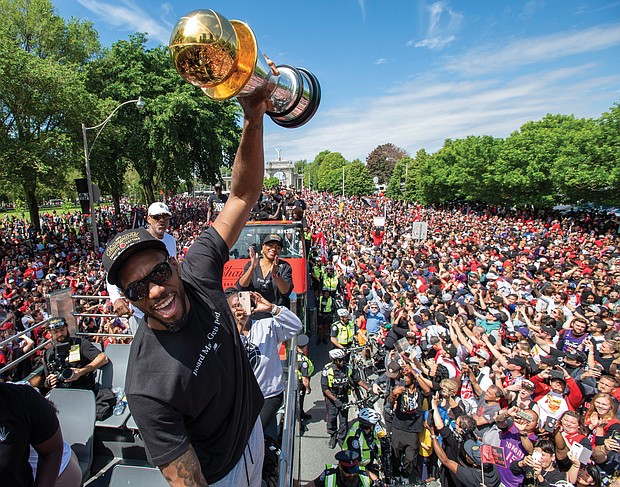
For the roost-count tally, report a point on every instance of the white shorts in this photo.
(249, 468)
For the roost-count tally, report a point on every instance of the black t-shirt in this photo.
(471, 477)
(216, 204)
(265, 286)
(195, 386)
(26, 418)
(551, 476)
(81, 353)
(408, 411)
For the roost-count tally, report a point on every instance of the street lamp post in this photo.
(91, 200)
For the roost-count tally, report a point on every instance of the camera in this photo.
(59, 365)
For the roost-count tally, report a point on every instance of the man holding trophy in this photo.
(189, 384)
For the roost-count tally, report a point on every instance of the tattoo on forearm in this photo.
(184, 470)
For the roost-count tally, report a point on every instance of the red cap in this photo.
(7, 326)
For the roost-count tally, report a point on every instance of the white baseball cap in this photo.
(158, 208)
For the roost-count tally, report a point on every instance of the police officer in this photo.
(343, 330)
(362, 438)
(70, 361)
(336, 382)
(348, 473)
(325, 314)
(330, 281)
(305, 369)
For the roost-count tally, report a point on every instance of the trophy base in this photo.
(307, 103)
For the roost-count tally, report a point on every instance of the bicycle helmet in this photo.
(369, 415)
(336, 353)
(342, 312)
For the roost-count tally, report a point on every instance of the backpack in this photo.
(106, 400)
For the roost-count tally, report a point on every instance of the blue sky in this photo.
(411, 73)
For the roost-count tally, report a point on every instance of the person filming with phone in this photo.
(540, 467)
(262, 339)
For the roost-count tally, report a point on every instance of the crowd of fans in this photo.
(501, 328)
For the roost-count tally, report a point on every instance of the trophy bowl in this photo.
(221, 57)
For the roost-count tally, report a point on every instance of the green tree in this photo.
(400, 185)
(330, 172)
(357, 181)
(312, 170)
(271, 182)
(179, 134)
(382, 160)
(524, 173)
(42, 95)
(609, 124)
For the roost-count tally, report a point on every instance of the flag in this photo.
(492, 454)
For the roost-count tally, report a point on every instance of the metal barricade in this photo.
(287, 451)
(28, 354)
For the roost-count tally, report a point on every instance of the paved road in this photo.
(315, 452)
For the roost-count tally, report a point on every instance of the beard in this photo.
(179, 324)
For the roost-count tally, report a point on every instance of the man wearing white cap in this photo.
(158, 222)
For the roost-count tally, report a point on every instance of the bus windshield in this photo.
(254, 233)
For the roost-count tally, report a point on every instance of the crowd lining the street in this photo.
(501, 328)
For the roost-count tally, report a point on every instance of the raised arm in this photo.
(248, 171)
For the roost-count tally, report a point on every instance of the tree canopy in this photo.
(42, 95)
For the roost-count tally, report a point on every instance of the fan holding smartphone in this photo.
(262, 339)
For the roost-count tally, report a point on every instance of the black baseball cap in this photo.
(518, 361)
(576, 355)
(272, 237)
(472, 449)
(550, 360)
(549, 330)
(392, 370)
(55, 323)
(123, 246)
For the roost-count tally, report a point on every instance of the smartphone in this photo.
(526, 416)
(245, 301)
(537, 456)
(581, 452)
(550, 425)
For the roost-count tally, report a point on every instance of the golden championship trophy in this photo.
(221, 57)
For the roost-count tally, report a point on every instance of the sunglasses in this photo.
(160, 217)
(139, 289)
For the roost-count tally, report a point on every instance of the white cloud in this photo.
(128, 16)
(434, 43)
(381, 61)
(532, 6)
(443, 23)
(535, 50)
(426, 111)
(362, 4)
